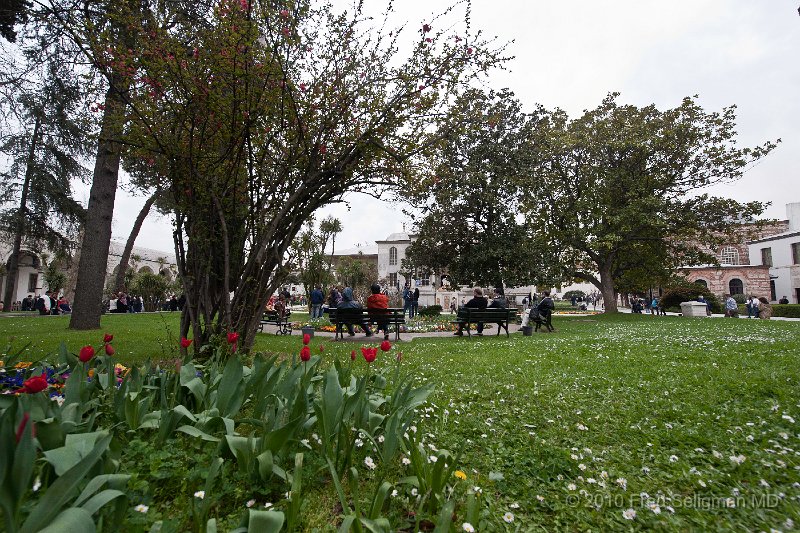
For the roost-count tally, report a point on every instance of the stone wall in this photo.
(754, 278)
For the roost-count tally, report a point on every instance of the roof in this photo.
(779, 236)
(147, 254)
(398, 237)
(369, 249)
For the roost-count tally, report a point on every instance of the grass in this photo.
(691, 423)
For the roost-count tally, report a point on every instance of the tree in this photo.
(45, 154)
(330, 228)
(307, 257)
(119, 282)
(620, 187)
(470, 199)
(357, 274)
(269, 113)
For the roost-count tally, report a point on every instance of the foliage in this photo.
(686, 292)
(151, 287)
(740, 298)
(431, 310)
(357, 274)
(619, 187)
(786, 310)
(324, 103)
(470, 199)
(307, 257)
(54, 275)
(569, 294)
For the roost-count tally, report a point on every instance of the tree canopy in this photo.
(621, 187)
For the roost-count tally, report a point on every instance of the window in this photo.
(736, 286)
(772, 296)
(796, 253)
(766, 257)
(702, 282)
(729, 256)
(393, 279)
(33, 281)
(392, 255)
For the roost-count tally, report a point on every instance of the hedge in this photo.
(779, 310)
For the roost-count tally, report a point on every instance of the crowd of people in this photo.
(49, 303)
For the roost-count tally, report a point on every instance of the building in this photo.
(780, 254)
(759, 263)
(32, 264)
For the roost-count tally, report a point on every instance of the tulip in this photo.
(353, 355)
(35, 384)
(185, 343)
(109, 349)
(369, 354)
(321, 348)
(233, 338)
(305, 353)
(306, 338)
(108, 338)
(386, 346)
(86, 353)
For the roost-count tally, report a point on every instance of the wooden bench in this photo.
(359, 317)
(272, 318)
(471, 315)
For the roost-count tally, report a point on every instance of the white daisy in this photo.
(466, 526)
(370, 463)
(628, 514)
(200, 494)
(508, 517)
(141, 508)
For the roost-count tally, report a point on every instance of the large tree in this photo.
(470, 199)
(621, 186)
(272, 111)
(45, 149)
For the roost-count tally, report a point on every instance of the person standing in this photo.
(783, 301)
(654, 307)
(408, 301)
(752, 307)
(53, 295)
(415, 302)
(317, 299)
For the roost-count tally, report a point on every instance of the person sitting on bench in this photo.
(349, 303)
(477, 302)
(379, 302)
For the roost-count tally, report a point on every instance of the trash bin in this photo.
(308, 331)
(527, 331)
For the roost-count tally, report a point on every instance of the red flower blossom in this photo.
(386, 346)
(369, 353)
(305, 353)
(353, 355)
(321, 348)
(185, 343)
(233, 338)
(284, 13)
(109, 349)
(86, 354)
(34, 384)
(306, 338)
(108, 337)
(426, 28)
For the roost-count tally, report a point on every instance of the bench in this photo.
(471, 315)
(272, 318)
(359, 317)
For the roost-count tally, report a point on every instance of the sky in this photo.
(570, 54)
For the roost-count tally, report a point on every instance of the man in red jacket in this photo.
(375, 303)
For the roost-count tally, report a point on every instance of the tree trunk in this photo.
(13, 261)
(607, 288)
(119, 283)
(93, 264)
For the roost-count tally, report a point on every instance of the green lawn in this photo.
(692, 423)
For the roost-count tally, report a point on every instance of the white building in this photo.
(781, 253)
(30, 279)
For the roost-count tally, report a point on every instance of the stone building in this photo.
(746, 266)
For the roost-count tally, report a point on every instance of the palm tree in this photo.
(330, 227)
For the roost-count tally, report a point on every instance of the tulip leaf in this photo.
(194, 432)
(99, 500)
(445, 517)
(230, 391)
(74, 520)
(265, 521)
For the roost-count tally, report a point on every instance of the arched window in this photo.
(735, 286)
(702, 282)
(392, 255)
(729, 256)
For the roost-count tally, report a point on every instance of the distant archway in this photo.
(702, 282)
(736, 286)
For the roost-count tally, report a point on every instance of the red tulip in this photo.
(321, 348)
(35, 384)
(369, 354)
(353, 355)
(185, 343)
(86, 353)
(109, 349)
(386, 346)
(305, 353)
(108, 337)
(306, 338)
(233, 338)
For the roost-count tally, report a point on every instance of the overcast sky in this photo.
(570, 54)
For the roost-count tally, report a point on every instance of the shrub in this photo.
(687, 292)
(431, 310)
(569, 294)
(740, 298)
(786, 310)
